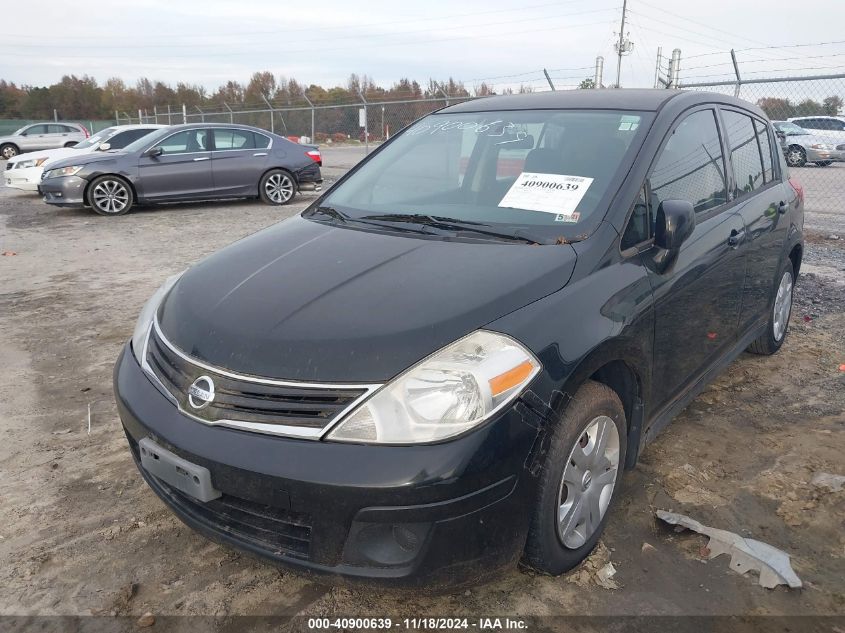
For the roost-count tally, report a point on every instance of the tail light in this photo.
(798, 189)
(314, 154)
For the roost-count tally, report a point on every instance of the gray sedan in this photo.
(186, 162)
(37, 136)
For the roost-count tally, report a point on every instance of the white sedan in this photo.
(24, 171)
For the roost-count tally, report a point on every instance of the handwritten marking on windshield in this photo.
(485, 128)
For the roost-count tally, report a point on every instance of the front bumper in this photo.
(65, 191)
(442, 514)
(26, 179)
(818, 155)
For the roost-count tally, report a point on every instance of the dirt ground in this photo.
(82, 534)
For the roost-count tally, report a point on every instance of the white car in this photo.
(832, 128)
(24, 171)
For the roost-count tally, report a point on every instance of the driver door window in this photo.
(691, 166)
(185, 142)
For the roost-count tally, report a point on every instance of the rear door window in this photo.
(764, 137)
(233, 139)
(691, 166)
(745, 152)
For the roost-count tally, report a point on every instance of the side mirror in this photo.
(104, 147)
(674, 224)
(154, 151)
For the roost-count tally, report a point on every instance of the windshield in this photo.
(18, 131)
(148, 140)
(96, 139)
(791, 128)
(542, 172)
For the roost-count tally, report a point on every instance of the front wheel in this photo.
(110, 195)
(796, 156)
(276, 187)
(578, 481)
(771, 340)
(7, 151)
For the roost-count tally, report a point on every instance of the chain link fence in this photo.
(814, 142)
(370, 121)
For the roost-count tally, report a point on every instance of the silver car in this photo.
(801, 146)
(38, 136)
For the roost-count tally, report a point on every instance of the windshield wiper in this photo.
(450, 224)
(331, 212)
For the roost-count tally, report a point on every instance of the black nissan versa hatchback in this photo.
(445, 363)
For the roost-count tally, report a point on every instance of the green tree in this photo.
(832, 105)
(587, 84)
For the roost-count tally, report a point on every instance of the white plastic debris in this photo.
(826, 480)
(746, 554)
(605, 576)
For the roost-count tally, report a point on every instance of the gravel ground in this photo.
(82, 534)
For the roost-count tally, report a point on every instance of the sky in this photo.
(504, 43)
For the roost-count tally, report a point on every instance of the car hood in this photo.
(304, 300)
(49, 154)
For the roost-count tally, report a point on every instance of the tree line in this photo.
(83, 97)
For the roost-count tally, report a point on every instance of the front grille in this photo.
(244, 401)
(9, 165)
(841, 147)
(272, 529)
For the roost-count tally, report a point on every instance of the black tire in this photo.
(796, 156)
(277, 187)
(769, 342)
(545, 549)
(824, 163)
(110, 196)
(9, 150)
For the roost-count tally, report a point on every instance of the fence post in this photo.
(549, 79)
(311, 105)
(55, 115)
(657, 67)
(443, 92)
(597, 79)
(366, 126)
(168, 115)
(736, 70)
(231, 114)
(140, 118)
(270, 105)
(675, 68)
(202, 114)
(116, 118)
(184, 114)
(155, 113)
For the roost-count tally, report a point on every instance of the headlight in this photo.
(63, 171)
(145, 319)
(444, 395)
(23, 164)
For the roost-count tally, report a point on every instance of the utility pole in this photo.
(624, 45)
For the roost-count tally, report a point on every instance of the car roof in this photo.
(191, 126)
(642, 99)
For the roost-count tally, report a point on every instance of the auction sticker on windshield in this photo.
(550, 193)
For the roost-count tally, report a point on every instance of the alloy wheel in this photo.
(110, 196)
(588, 480)
(795, 157)
(9, 152)
(783, 306)
(279, 188)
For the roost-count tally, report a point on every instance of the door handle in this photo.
(736, 238)
(260, 154)
(196, 160)
(783, 208)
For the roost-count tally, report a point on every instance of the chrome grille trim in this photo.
(281, 430)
